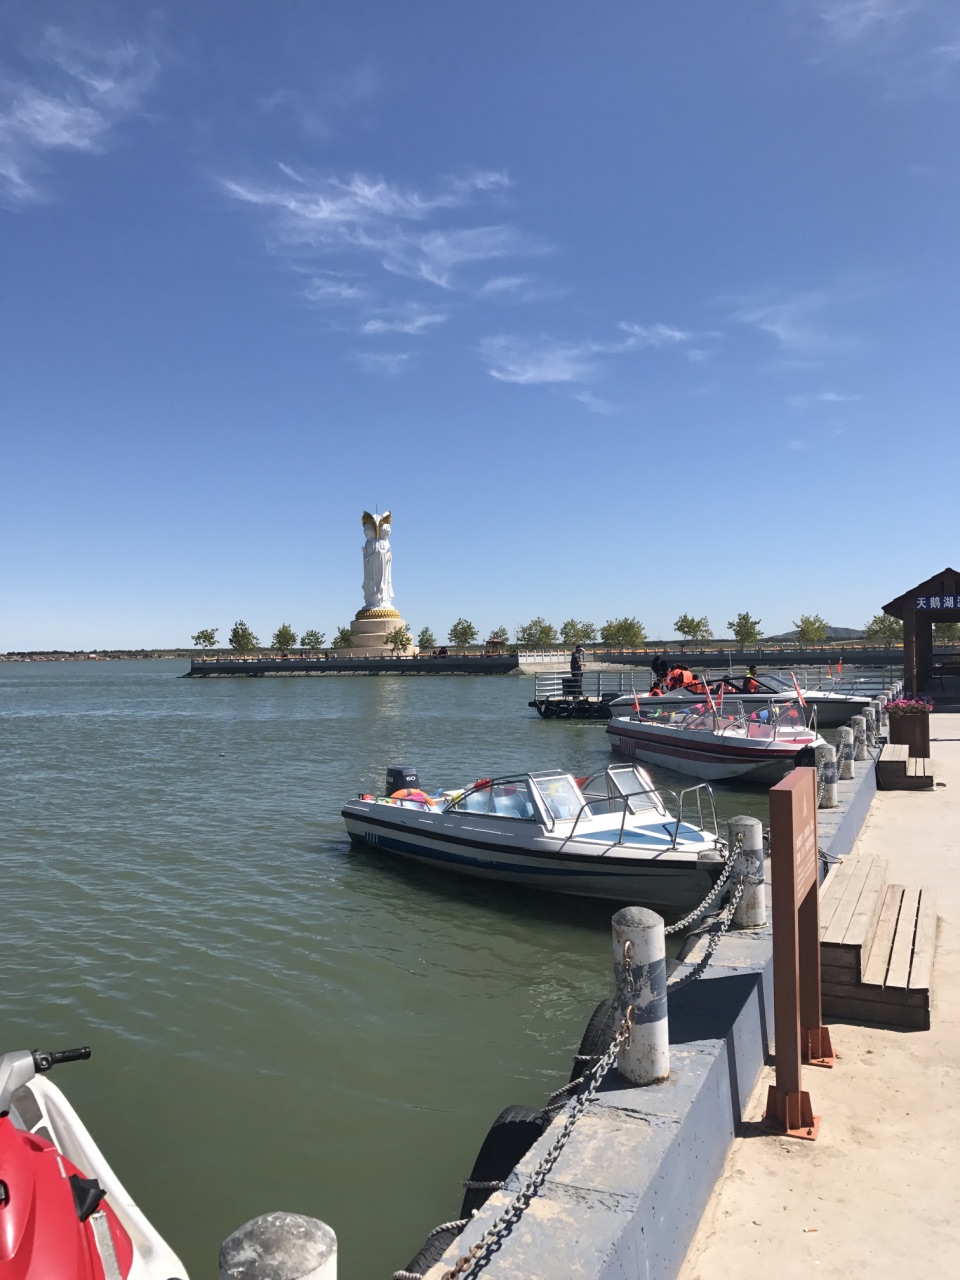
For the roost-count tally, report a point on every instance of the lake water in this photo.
(279, 1022)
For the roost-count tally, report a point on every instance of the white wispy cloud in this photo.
(77, 96)
(655, 335)
(795, 323)
(371, 230)
(822, 397)
(850, 20)
(410, 319)
(382, 362)
(526, 361)
(530, 361)
(797, 446)
(331, 289)
(595, 404)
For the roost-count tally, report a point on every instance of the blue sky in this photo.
(621, 308)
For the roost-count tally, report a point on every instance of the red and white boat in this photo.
(711, 743)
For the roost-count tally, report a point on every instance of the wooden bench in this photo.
(876, 946)
(897, 770)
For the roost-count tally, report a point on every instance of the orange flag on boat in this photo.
(829, 671)
(840, 667)
(636, 702)
(803, 701)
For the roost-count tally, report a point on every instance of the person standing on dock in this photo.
(576, 669)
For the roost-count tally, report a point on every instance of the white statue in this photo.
(377, 557)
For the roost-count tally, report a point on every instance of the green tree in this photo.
(343, 639)
(573, 633)
(312, 640)
(206, 639)
(426, 639)
(882, 629)
(501, 633)
(462, 633)
(946, 632)
(746, 630)
(623, 633)
(811, 628)
(399, 640)
(693, 628)
(284, 638)
(537, 634)
(242, 638)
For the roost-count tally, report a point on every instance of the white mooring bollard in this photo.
(845, 753)
(280, 1246)
(858, 727)
(827, 756)
(751, 912)
(640, 972)
(870, 722)
(876, 707)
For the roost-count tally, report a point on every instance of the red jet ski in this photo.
(64, 1215)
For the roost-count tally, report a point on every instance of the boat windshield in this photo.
(636, 787)
(777, 683)
(507, 797)
(560, 794)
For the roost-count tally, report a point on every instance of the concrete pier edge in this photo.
(628, 1191)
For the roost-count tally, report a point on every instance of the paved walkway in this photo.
(878, 1193)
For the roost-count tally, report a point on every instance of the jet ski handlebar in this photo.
(44, 1059)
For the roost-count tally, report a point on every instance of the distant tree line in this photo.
(615, 633)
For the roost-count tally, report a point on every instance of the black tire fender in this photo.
(432, 1250)
(596, 1039)
(511, 1136)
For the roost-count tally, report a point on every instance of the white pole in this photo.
(845, 753)
(827, 756)
(859, 729)
(280, 1246)
(640, 973)
(751, 912)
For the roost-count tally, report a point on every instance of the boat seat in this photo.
(515, 806)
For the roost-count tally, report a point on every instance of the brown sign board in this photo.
(799, 1035)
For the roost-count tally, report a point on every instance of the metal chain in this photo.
(701, 966)
(694, 915)
(472, 1263)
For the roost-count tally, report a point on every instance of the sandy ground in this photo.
(880, 1187)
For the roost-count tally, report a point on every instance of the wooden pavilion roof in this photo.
(946, 582)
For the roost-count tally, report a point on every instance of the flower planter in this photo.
(911, 728)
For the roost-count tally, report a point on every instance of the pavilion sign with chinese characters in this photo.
(938, 602)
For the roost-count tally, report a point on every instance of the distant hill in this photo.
(833, 633)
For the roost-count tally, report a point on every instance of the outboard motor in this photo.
(402, 777)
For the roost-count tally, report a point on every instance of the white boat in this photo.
(611, 837)
(835, 703)
(735, 743)
(70, 1216)
(683, 699)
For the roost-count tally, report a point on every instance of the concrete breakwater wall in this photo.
(468, 664)
(629, 1188)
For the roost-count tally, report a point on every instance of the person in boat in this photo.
(678, 677)
(750, 682)
(656, 689)
(659, 668)
(695, 685)
(576, 668)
